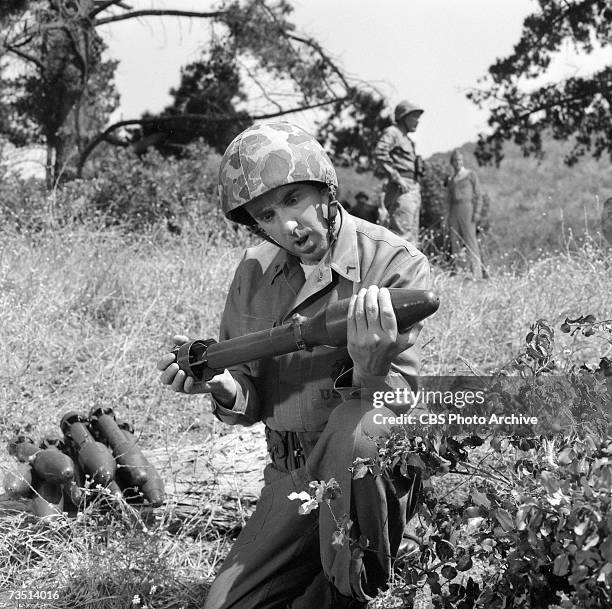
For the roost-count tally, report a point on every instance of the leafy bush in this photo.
(140, 191)
(534, 528)
(135, 192)
(23, 203)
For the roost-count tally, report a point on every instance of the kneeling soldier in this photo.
(277, 180)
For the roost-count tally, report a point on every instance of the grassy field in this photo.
(85, 314)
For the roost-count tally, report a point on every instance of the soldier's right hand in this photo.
(222, 386)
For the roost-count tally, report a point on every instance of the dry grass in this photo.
(85, 314)
(109, 557)
(481, 325)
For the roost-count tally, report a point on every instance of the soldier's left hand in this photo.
(373, 337)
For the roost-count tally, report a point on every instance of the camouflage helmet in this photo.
(264, 157)
(405, 107)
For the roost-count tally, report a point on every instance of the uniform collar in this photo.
(345, 255)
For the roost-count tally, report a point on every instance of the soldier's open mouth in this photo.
(302, 241)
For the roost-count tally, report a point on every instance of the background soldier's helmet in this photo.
(405, 107)
(266, 156)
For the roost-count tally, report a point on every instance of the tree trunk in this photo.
(49, 164)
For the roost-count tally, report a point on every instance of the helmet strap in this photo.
(332, 211)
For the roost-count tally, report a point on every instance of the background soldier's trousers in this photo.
(463, 234)
(283, 559)
(404, 209)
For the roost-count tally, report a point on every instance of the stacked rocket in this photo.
(95, 451)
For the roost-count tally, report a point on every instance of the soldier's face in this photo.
(411, 121)
(457, 161)
(295, 216)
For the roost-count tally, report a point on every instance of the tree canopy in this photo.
(55, 49)
(577, 108)
(210, 86)
(353, 127)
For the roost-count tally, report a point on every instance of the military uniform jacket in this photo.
(294, 392)
(395, 154)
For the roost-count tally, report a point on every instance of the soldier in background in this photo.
(366, 209)
(396, 156)
(464, 204)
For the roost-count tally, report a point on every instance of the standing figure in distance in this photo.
(316, 404)
(396, 156)
(364, 209)
(464, 201)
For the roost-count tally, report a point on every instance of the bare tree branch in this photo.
(203, 117)
(317, 47)
(259, 85)
(26, 56)
(102, 5)
(159, 13)
(308, 42)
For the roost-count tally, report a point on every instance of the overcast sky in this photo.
(430, 51)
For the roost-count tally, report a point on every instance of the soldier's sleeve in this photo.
(245, 410)
(409, 270)
(382, 154)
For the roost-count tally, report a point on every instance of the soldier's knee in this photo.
(357, 419)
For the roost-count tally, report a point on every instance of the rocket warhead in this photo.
(94, 458)
(410, 307)
(130, 460)
(52, 465)
(201, 359)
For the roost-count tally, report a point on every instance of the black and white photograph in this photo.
(305, 304)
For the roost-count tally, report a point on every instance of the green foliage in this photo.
(22, 203)
(577, 107)
(60, 50)
(434, 238)
(353, 127)
(211, 86)
(535, 527)
(262, 33)
(543, 536)
(62, 89)
(257, 59)
(137, 193)
(10, 7)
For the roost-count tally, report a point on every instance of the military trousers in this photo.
(463, 235)
(282, 559)
(404, 210)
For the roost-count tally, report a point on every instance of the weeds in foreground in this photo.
(534, 528)
(110, 555)
(86, 313)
